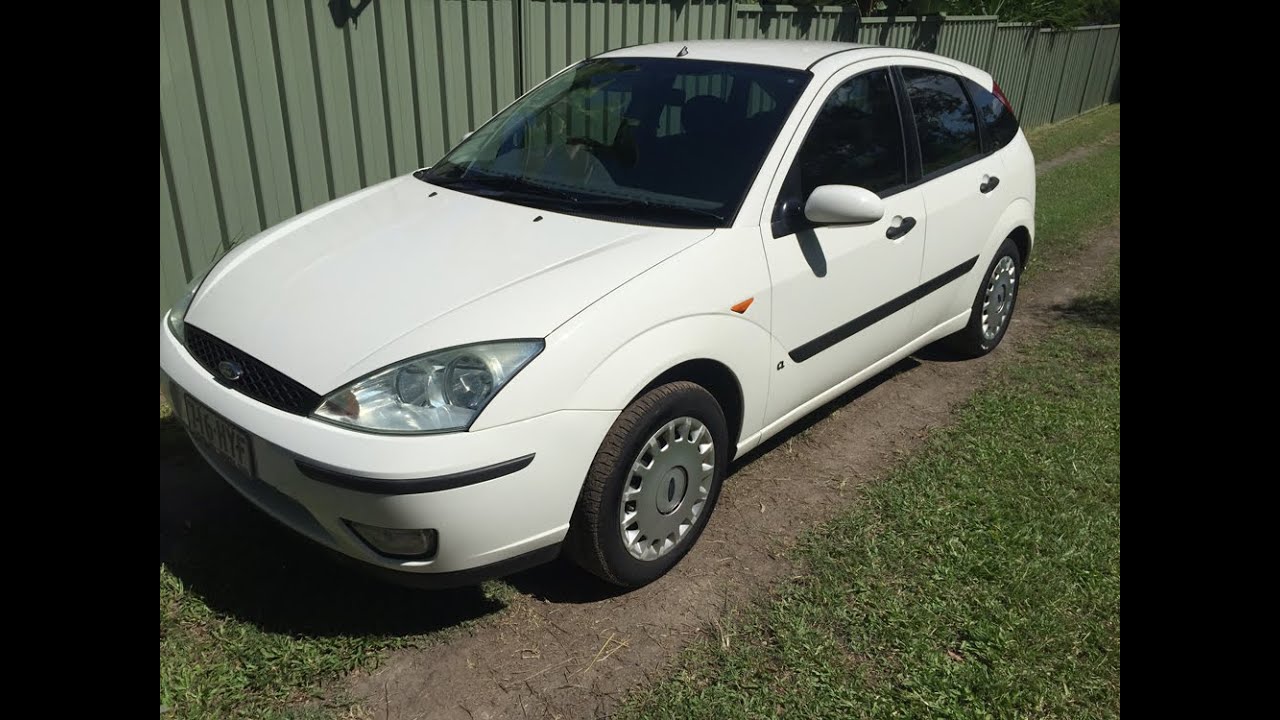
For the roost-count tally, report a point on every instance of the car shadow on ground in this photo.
(242, 563)
(1101, 311)
(939, 354)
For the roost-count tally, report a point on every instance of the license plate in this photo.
(217, 433)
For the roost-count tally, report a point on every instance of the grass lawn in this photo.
(243, 637)
(1051, 141)
(980, 580)
(1072, 200)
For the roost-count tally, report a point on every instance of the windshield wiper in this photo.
(621, 202)
(507, 184)
(500, 185)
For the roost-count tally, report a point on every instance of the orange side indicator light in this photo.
(742, 306)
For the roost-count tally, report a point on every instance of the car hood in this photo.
(403, 268)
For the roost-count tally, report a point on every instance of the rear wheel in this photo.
(652, 485)
(993, 305)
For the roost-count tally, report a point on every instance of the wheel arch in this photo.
(1017, 222)
(1022, 239)
(726, 354)
(718, 379)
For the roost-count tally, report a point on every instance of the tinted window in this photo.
(944, 119)
(998, 121)
(663, 141)
(717, 85)
(856, 139)
(685, 88)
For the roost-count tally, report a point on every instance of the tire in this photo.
(1002, 279)
(596, 534)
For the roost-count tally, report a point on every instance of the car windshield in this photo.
(643, 140)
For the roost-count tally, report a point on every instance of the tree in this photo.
(1056, 13)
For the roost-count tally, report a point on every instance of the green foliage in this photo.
(1054, 13)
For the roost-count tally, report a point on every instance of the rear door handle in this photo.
(896, 231)
(990, 184)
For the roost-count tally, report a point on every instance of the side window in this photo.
(944, 119)
(997, 119)
(856, 139)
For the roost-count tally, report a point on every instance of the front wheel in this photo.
(993, 306)
(652, 485)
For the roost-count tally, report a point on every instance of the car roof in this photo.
(819, 56)
(798, 54)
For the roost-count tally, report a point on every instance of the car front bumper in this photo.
(499, 498)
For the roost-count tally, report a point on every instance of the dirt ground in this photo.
(569, 647)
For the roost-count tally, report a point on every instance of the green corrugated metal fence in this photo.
(268, 108)
(784, 22)
(1010, 62)
(560, 33)
(1106, 56)
(1049, 62)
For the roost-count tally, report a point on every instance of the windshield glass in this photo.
(645, 140)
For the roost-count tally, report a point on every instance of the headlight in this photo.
(437, 392)
(178, 313)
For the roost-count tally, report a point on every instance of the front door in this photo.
(841, 292)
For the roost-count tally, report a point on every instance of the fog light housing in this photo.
(395, 542)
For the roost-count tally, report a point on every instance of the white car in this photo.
(558, 337)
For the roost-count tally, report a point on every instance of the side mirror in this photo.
(843, 204)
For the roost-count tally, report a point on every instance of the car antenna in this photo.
(683, 51)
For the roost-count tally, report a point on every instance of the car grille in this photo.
(259, 381)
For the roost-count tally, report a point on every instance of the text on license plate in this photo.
(224, 438)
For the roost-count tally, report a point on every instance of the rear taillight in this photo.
(995, 90)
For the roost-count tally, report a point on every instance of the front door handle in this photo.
(896, 231)
(990, 184)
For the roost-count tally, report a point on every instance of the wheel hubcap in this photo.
(667, 489)
(677, 483)
(998, 303)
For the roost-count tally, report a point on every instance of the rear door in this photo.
(963, 194)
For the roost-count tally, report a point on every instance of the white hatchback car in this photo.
(560, 335)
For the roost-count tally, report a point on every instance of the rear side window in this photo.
(944, 119)
(997, 119)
